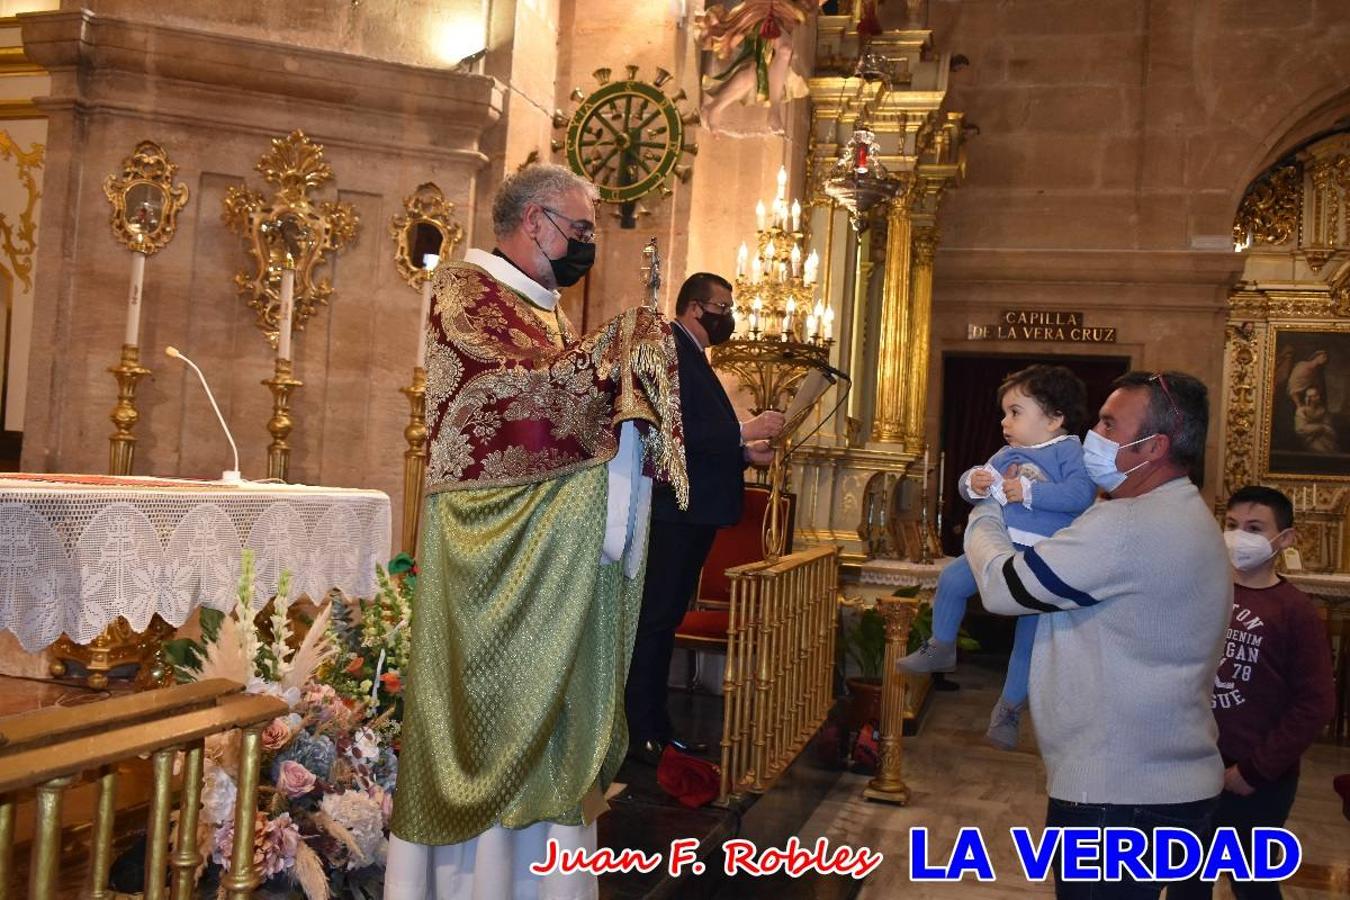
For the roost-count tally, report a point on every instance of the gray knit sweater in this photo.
(1137, 593)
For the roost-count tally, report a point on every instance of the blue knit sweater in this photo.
(1059, 483)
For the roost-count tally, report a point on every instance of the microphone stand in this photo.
(122, 443)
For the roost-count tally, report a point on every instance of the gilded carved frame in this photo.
(425, 211)
(1256, 319)
(145, 201)
(288, 230)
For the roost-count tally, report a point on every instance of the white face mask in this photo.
(1099, 458)
(1248, 550)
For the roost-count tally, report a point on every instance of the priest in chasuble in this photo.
(543, 447)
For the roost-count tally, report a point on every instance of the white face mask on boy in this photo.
(1248, 550)
(1099, 458)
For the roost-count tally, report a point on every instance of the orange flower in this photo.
(356, 665)
(392, 683)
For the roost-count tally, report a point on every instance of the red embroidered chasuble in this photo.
(514, 397)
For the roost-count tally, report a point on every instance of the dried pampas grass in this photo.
(308, 873)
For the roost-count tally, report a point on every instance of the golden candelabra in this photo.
(782, 331)
(889, 785)
(122, 443)
(280, 425)
(414, 458)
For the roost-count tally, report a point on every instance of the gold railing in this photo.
(49, 750)
(780, 664)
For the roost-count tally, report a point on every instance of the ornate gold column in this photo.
(889, 785)
(916, 356)
(889, 423)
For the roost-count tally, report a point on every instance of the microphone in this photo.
(832, 374)
(230, 476)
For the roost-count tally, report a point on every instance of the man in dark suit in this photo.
(717, 448)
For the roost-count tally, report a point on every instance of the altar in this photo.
(91, 561)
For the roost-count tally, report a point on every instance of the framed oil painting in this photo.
(1308, 403)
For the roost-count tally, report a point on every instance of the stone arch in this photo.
(1321, 114)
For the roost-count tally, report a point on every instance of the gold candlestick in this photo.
(889, 786)
(122, 443)
(415, 457)
(281, 423)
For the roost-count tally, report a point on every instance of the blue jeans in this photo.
(1196, 816)
(1267, 808)
(954, 587)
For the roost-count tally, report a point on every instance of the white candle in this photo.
(829, 324)
(796, 257)
(812, 265)
(782, 181)
(429, 263)
(132, 335)
(741, 256)
(796, 216)
(768, 249)
(811, 326)
(759, 216)
(286, 313)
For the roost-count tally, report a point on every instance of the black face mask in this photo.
(573, 265)
(719, 326)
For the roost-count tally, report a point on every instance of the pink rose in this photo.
(294, 779)
(276, 735)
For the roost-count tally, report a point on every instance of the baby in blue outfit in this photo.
(1041, 483)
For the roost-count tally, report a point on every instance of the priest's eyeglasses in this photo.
(582, 229)
(720, 308)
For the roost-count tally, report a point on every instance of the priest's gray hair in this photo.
(542, 184)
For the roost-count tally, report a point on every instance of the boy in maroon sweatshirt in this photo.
(1273, 692)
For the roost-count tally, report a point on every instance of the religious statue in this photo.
(756, 36)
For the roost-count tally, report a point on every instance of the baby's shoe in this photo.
(1003, 724)
(932, 656)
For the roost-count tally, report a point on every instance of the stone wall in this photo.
(1115, 140)
(214, 100)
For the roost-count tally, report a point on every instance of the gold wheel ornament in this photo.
(628, 138)
(288, 230)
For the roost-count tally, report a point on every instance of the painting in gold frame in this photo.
(1305, 428)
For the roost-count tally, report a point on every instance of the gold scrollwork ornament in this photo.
(289, 230)
(145, 200)
(427, 226)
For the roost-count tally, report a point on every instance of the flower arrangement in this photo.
(329, 765)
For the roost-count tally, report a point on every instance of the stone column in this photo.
(889, 424)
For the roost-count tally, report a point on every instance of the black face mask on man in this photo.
(573, 265)
(718, 325)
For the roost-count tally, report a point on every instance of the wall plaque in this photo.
(1056, 325)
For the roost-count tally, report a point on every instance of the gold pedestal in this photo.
(889, 786)
(279, 451)
(122, 443)
(414, 458)
(119, 645)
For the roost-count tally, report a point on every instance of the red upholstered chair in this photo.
(705, 626)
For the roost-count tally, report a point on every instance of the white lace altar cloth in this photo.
(77, 551)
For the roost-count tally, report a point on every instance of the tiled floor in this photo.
(957, 780)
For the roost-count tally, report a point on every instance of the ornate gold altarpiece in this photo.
(879, 278)
(1294, 226)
